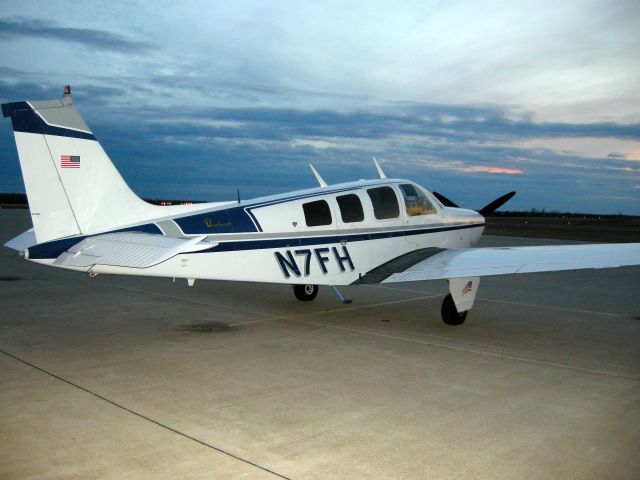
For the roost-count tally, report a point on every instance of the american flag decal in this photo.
(69, 161)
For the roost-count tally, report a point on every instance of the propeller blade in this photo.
(444, 200)
(496, 204)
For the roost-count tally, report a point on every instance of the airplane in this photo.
(86, 218)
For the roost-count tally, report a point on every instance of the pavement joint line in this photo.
(470, 350)
(371, 305)
(144, 417)
(616, 273)
(549, 307)
(335, 310)
(398, 289)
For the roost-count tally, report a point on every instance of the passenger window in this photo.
(350, 208)
(317, 213)
(385, 202)
(416, 201)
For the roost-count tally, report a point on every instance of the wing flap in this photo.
(480, 262)
(128, 249)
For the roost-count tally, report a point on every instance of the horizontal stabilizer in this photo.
(129, 249)
(479, 262)
(23, 241)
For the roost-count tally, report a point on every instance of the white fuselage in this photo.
(318, 236)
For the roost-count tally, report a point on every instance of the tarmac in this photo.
(133, 377)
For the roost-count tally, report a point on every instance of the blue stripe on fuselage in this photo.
(241, 245)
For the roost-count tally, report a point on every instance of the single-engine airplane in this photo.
(86, 218)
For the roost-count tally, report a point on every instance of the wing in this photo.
(128, 249)
(479, 262)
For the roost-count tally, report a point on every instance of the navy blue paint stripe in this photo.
(253, 219)
(305, 241)
(25, 119)
(9, 108)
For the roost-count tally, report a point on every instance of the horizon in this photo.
(500, 212)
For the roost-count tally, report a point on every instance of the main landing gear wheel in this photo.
(450, 314)
(305, 293)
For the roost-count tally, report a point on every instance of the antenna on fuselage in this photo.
(379, 168)
(318, 177)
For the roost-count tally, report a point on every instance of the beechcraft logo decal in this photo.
(69, 161)
(468, 287)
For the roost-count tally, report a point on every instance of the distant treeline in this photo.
(555, 213)
(19, 200)
(13, 200)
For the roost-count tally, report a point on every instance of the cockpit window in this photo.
(317, 213)
(416, 201)
(385, 202)
(350, 208)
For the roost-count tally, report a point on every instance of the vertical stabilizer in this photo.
(72, 185)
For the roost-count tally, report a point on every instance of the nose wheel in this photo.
(305, 293)
(450, 314)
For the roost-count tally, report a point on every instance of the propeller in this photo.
(484, 211)
(444, 200)
(496, 204)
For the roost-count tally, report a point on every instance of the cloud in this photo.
(318, 144)
(29, 27)
(487, 169)
(459, 123)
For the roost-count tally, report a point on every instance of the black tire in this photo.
(305, 293)
(450, 315)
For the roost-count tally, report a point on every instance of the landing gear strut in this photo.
(450, 314)
(305, 293)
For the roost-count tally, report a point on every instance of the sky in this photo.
(195, 99)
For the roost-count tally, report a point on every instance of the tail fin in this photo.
(72, 185)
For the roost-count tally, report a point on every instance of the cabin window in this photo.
(385, 202)
(350, 208)
(416, 201)
(317, 213)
